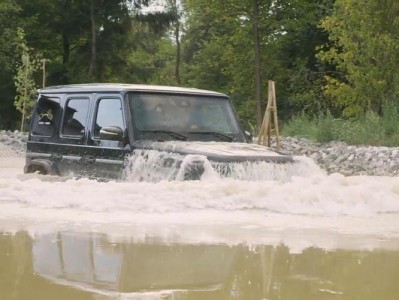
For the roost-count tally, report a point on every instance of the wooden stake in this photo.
(270, 119)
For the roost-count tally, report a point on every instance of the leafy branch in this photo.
(24, 79)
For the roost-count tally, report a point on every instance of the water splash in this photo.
(152, 166)
(155, 166)
(259, 171)
(191, 163)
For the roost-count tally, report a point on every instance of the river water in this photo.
(304, 236)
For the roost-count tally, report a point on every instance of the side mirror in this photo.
(111, 133)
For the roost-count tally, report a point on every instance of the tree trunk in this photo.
(92, 67)
(65, 47)
(65, 35)
(258, 78)
(177, 40)
(23, 114)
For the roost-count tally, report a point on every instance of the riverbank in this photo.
(338, 157)
(333, 157)
(13, 140)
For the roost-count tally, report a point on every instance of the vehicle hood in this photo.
(217, 151)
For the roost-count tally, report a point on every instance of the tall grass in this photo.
(370, 129)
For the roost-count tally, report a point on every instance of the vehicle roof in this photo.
(122, 87)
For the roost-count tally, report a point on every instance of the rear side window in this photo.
(75, 116)
(109, 113)
(46, 116)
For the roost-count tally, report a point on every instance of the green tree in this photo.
(84, 41)
(364, 48)
(90, 40)
(176, 10)
(231, 46)
(24, 79)
(220, 52)
(233, 32)
(300, 75)
(9, 22)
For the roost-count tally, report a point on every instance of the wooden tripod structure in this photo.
(270, 120)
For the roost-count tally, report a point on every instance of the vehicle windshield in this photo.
(184, 117)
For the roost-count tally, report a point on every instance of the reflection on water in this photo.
(94, 262)
(67, 265)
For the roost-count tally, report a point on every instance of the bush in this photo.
(300, 125)
(323, 128)
(365, 130)
(327, 128)
(390, 119)
(371, 129)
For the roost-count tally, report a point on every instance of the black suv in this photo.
(124, 130)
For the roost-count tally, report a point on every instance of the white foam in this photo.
(154, 166)
(301, 210)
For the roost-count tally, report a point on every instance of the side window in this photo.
(46, 116)
(109, 113)
(75, 115)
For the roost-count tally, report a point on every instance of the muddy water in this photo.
(67, 265)
(303, 237)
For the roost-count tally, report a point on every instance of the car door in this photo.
(107, 156)
(41, 152)
(71, 147)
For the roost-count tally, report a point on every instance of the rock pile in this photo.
(338, 157)
(15, 140)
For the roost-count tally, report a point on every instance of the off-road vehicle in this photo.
(117, 130)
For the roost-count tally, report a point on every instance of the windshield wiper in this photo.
(174, 134)
(224, 136)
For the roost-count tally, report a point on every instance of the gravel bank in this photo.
(334, 157)
(13, 140)
(338, 157)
